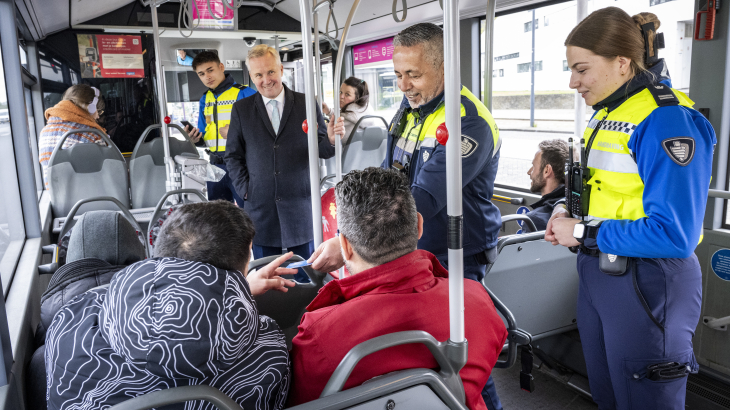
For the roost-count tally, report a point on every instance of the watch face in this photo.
(578, 231)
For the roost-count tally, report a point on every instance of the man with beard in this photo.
(547, 174)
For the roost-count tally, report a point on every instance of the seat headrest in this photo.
(105, 235)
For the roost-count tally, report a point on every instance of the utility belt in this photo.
(216, 158)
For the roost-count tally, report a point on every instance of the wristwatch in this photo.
(586, 230)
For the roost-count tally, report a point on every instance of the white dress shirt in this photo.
(279, 99)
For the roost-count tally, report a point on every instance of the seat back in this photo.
(147, 166)
(287, 308)
(84, 171)
(366, 149)
(538, 281)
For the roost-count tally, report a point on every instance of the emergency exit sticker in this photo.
(721, 264)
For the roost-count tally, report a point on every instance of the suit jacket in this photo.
(273, 168)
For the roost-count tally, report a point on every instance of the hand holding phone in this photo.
(297, 265)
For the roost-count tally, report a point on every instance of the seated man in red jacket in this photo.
(392, 288)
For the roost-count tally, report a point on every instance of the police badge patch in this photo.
(468, 146)
(680, 149)
(426, 155)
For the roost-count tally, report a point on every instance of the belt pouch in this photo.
(614, 265)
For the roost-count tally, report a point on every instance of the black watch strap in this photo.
(592, 229)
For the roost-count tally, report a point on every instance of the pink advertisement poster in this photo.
(373, 52)
(222, 18)
(110, 56)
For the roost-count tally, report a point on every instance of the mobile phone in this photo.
(296, 265)
(186, 124)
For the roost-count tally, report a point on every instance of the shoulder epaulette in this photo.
(663, 95)
(240, 86)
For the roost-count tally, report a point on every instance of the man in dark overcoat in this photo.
(267, 159)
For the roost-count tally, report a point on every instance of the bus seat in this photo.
(408, 389)
(164, 208)
(84, 171)
(538, 281)
(287, 308)
(147, 166)
(366, 149)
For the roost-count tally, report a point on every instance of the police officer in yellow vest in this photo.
(648, 163)
(418, 60)
(214, 117)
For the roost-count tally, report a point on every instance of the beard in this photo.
(537, 185)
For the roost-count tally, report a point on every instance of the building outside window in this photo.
(374, 63)
(554, 100)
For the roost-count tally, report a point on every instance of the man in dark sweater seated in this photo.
(548, 179)
(392, 287)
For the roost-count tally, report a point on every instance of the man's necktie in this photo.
(275, 115)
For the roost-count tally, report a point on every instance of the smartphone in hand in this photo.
(296, 265)
(186, 124)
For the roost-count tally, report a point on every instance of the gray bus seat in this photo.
(179, 395)
(413, 389)
(538, 281)
(366, 148)
(86, 171)
(147, 165)
(160, 208)
(287, 308)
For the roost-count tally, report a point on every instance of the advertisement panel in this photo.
(373, 52)
(202, 17)
(110, 56)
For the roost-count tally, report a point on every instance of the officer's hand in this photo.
(338, 129)
(194, 133)
(224, 131)
(563, 231)
(327, 257)
(268, 277)
(558, 212)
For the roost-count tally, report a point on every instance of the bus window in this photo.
(12, 230)
(554, 106)
(374, 64)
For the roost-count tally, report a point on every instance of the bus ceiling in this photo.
(45, 17)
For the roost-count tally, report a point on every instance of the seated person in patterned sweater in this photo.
(80, 108)
(393, 287)
(185, 317)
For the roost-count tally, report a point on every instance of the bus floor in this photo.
(549, 394)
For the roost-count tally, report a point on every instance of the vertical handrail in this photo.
(489, 52)
(305, 11)
(317, 62)
(580, 104)
(452, 93)
(161, 97)
(338, 81)
(723, 145)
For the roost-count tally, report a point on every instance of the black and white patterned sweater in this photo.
(163, 323)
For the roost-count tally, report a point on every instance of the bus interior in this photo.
(511, 54)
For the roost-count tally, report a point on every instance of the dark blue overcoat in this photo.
(272, 169)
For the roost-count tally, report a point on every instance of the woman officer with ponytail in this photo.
(649, 162)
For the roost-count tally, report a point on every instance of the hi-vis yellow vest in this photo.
(438, 117)
(616, 187)
(221, 108)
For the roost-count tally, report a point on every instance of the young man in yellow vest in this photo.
(214, 116)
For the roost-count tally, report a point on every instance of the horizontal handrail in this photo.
(717, 193)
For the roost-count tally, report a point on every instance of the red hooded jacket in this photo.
(409, 293)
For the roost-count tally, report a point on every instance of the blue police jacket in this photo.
(427, 176)
(674, 196)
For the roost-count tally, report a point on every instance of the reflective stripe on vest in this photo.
(438, 117)
(224, 104)
(616, 187)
